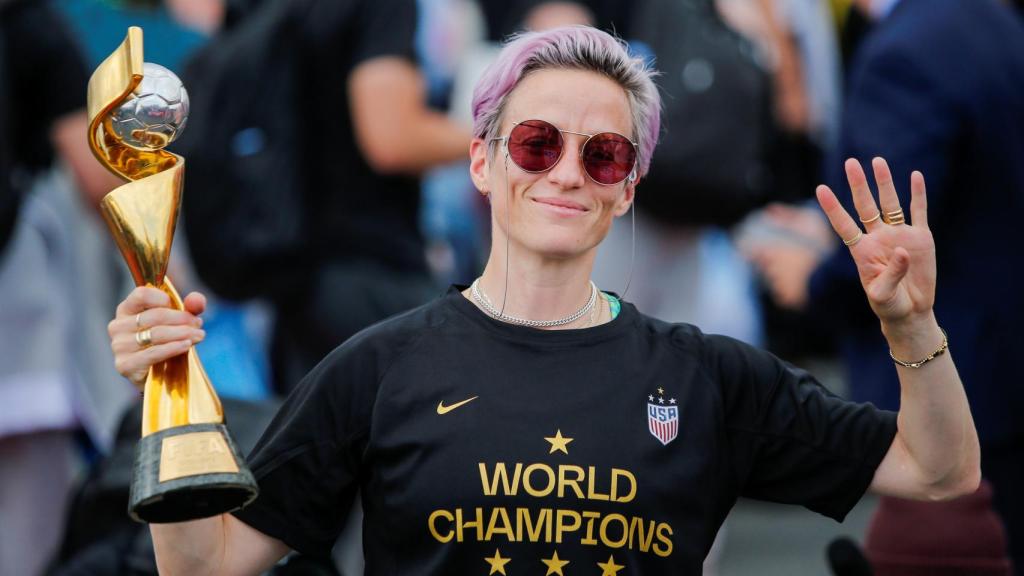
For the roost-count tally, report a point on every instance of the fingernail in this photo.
(198, 335)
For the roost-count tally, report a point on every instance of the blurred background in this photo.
(327, 188)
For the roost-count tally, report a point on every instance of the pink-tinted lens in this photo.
(535, 145)
(609, 157)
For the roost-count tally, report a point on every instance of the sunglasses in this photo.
(536, 146)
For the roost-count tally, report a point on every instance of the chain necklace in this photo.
(485, 303)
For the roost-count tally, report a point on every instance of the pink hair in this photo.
(575, 48)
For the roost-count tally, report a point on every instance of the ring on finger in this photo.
(144, 338)
(849, 243)
(872, 219)
(895, 217)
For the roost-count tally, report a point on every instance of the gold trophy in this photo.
(186, 465)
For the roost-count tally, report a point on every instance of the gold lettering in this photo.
(636, 525)
(667, 549)
(592, 492)
(490, 485)
(574, 484)
(563, 527)
(433, 529)
(533, 530)
(590, 516)
(616, 474)
(460, 525)
(604, 530)
(528, 484)
(506, 528)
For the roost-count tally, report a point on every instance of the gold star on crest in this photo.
(559, 442)
(497, 563)
(661, 391)
(610, 568)
(554, 564)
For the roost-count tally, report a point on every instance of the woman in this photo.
(592, 437)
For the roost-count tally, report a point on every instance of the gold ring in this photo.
(895, 217)
(138, 321)
(144, 338)
(854, 240)
(872, 219)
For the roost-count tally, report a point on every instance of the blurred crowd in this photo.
(327, 188)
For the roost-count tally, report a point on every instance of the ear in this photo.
(626, 200)
(479, 167)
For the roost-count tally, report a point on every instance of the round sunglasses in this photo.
(536, 146)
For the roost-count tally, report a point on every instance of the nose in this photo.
(568, 173)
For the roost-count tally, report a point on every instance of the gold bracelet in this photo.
(942, 350)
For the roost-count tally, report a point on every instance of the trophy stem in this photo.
(178, 391)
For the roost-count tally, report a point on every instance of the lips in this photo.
(562, 205)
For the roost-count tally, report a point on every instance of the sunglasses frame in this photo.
(630, 177)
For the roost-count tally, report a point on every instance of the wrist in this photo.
(915, 338)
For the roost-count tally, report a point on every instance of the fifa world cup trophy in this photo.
(186, 465)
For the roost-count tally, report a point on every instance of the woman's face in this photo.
(560, 213)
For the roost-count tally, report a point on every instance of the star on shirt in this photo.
(559, 442)
(497, 563)
(650, 398)
(610, 568)
(671, 400)
(661, 400)
(554, 565)
(661, 391)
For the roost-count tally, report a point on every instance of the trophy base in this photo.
(188, 472)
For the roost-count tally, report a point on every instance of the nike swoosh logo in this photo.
(442, 409)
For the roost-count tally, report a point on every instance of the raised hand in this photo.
(895, 257)
(146, 331)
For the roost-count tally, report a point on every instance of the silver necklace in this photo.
(485, 303)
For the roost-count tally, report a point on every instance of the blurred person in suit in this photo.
(935, 86)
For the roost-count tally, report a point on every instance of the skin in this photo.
(551, 249)
(934, 456)
(395, 131)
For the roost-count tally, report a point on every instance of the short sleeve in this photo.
(307, 463)
(385, 28)
(791, 440)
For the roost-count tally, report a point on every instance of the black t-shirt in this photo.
(357, 212)
(475, 442)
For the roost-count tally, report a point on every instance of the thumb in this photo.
(883, 289)
(195, 303)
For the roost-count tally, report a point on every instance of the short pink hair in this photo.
(573, 48)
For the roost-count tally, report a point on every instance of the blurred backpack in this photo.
(711, 164)
(245, 145)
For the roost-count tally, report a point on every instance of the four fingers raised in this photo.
(871, 214)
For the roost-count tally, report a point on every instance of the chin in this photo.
(561, 243)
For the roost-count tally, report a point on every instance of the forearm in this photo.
(431, 140)
(935, 423)
(193, 548)
(395, 130)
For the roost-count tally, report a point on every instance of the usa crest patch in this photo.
(662, 419)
